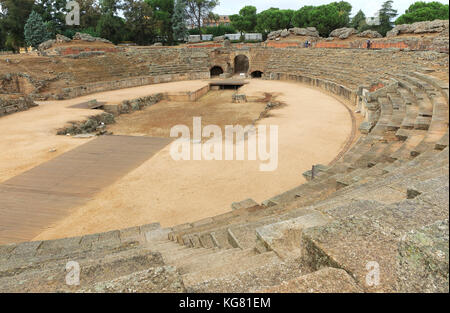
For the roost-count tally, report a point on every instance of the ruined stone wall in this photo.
(146, 66)
(137, 66)
(439, 44)
(190, 96)
(78, 91)
(14, 103)
(16, 83)
(341, 91)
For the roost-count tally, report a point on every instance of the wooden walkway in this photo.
(32, 201)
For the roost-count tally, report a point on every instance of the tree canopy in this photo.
(163, 11)
(140, 23)
(386, 15)
(179, 21)
(200, 10)
(246, 20)
(14, 15)
(35, 31)
(328, 17)
(424, 11)
(274, 19)
(359, 20)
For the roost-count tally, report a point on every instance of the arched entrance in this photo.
(241, 64)
(216, 71)
(257, 74)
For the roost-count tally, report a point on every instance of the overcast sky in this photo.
(369, 7)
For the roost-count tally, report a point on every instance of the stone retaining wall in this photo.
(190, 96)
(438, 44)
(78, 91)
(11, 104)
(341, 91)
(98, 123)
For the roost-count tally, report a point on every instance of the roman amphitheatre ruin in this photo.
(362, 180)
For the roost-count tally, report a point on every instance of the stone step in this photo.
(172, 251)
(355, 243)
(162, 279)
(218, 258)
(442, 143)
(195, 278)
(422, 122)
(15, 257)
(326, 280)
(244, 236)
(51, 276)
(253, 279)
(223, 220)
(435, 82)
(412, 109)
(404, 152)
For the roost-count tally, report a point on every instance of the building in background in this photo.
(222, 20)
(373, 20)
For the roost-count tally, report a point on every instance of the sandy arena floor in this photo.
(313, 128)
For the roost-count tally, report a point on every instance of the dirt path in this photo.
(313, 128)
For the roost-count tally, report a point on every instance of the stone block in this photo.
(284, 238)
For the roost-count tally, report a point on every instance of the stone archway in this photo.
(257, 74)
(241, 64)
(216, 71)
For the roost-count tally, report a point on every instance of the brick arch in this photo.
(256, 73)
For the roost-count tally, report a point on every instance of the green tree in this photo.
(302, 17)
(52, 13)
(219, 30)
(179, 21)
(2, 33)
(90, 13)
(140, 22)
(163, 11)
(423, 11)
(274, 19)
(110, 6)
(326, 18)
(199, 10)
(386, 14)
(35, 31)
(344, 9)
(246, 20)
(111, 27)
(358, 20)
(14, 13)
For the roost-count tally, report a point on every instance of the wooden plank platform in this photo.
(47, 193)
